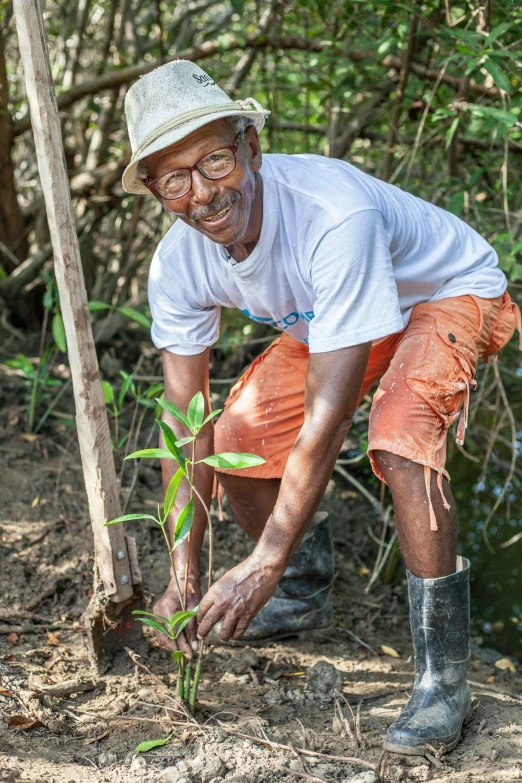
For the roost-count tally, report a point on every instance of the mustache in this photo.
(206, 211)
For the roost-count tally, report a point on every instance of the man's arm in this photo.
(333, 385)
(184, 377)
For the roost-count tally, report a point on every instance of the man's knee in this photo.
(395, 468)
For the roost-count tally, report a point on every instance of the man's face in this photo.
(220, 209)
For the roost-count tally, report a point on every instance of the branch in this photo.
(210, 48)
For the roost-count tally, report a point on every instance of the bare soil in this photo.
(280, 694)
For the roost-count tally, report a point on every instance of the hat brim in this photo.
(132, 183)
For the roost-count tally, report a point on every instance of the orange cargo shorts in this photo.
(426, 372)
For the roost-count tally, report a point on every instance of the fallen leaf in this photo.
(497, 627)
(491, 679)
(35, 501)
(292, 674)
(13, 639)
(30, 437)
(95, 739)
(389, 651)
(22, 722)
(5, 692)
(144, 747)
(52, 638)
(504, 664)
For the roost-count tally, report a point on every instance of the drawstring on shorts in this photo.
(427, 482)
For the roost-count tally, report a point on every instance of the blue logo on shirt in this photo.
(286, 321)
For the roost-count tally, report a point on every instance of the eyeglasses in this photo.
(214, 165)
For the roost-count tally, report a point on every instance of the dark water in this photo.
(496, 587)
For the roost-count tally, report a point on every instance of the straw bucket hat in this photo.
(169, 103)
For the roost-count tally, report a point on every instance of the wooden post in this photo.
(91, 416)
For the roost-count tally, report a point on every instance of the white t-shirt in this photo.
(341, 260)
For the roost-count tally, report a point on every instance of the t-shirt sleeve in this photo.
(179, 324)
(356, 296)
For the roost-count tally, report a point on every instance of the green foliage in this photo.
(194, 421)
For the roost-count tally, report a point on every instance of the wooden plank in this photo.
(91, 415)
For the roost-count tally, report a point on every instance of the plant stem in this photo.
(189, 537)
(171, 553)
(195, 683)
(210, 538)
(188, 672)
(181, 684)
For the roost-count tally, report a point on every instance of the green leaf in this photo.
(451, 131)
(499, 77)
(151, 454)
(174, 412)
(149, 614)
(184, 614)
(497, 32)
(172, 492)
(144, 747)
(238, 6)
(196, 411)
(211, 416)
(184, 523)
(135, 315)
(499, 115)
(58, 331)
(178, 656)
(183, 625)
(170, 442)
(108, 393)
(95, 307)
(457, 203)
(184, 441)
(129, 518)
(154, 390)
(154, 624)
(127, 384)
(233, 460)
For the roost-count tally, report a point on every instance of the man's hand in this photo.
(169, 604)
(238, 597)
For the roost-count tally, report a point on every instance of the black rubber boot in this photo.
(301, 602)
(441, 701)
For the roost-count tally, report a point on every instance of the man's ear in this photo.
(254, 148)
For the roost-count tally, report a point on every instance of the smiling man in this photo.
(366, 283)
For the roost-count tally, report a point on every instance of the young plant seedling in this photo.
(194, 422)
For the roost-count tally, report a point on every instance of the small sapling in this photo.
(194, 421)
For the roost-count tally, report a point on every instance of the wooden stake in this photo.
(91, 416)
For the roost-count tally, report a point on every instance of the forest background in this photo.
(425, 95)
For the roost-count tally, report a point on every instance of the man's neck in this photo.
(243, 248)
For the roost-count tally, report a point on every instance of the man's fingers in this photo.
(228, 627)
(242, 625)
(193, 634)
(210, 619)
(205, 604)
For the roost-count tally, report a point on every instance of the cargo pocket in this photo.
(444, 378)
(508, 320)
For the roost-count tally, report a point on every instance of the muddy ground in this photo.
(280, 694)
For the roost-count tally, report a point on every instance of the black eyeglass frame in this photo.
(234, 147)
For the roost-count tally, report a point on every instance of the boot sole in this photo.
(421, 750)
(261, 642)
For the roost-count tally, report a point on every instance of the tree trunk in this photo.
(11, 218)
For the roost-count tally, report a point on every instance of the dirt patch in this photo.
(281, 694)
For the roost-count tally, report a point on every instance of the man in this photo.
(365, 282)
